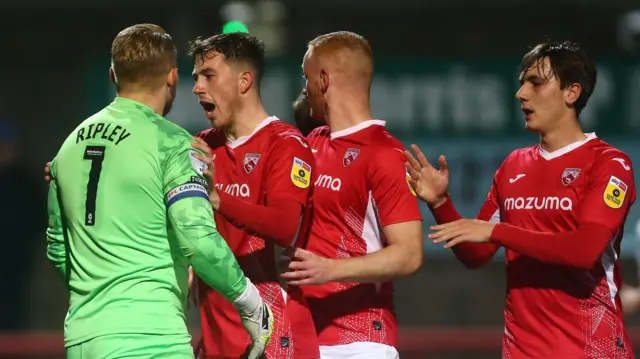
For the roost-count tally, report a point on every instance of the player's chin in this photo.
(210, 115)
(531, 126)
(216, 122)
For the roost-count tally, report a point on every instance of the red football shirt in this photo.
(555, 311)
(259, 168)
(360, 186)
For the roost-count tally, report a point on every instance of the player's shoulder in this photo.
(170, 129)
(171, 137)
(319, 132)
(382, 138)
(71, 140)
(379, 149)
(602, 149)
(214, 137)
(521, 155)
(604, 155)
(279, 130)
(382, 142)
(137, 117)
(280, 134)
(524, 152)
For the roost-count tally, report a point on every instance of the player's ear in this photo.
(172, 77)
(572, 93)
(246, 81)
(324, 80)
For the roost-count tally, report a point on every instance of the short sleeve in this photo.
(388, 180)
(184, 175)
(289, 170)
(609, 193)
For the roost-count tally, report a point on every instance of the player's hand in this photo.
(192, 297)
(630, 298)
(259, 324)
(462, 230)
(429, 183)
(47, 172)
(308, 268)
(200, 144)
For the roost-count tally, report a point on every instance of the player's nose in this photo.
(521, 94)
(197, 88)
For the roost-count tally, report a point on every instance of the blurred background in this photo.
(446, 75)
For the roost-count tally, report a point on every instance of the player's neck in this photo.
(347, 113)
(246, 121)
(154, 101)
(566, 133)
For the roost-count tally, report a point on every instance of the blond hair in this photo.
(347, 51)
(141, 55)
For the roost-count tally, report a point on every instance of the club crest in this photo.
(350, 156)
(251, 161)
(569, 175)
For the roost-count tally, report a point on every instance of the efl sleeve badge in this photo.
(300, 173)
(615, 192)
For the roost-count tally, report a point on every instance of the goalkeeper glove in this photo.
(257, 319)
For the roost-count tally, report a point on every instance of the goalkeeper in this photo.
(128, 212)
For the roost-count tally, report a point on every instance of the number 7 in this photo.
(95, 154)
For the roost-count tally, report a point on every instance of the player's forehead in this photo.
(308, 60)
(210, 61)
(540, 69)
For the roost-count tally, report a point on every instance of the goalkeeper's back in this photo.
(116, 174)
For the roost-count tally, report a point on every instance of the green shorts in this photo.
(138, 346)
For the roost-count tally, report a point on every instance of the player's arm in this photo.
(401, 221)
(431, 186)
(56, 246)
(472, 255)
(630, 299)
(288, 180)
(601, 214)
(191, 219)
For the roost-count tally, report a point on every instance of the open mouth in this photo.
(527, 112)
(207, 106)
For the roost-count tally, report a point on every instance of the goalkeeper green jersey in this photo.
(128, 211)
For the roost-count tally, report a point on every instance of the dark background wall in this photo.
(445, 78)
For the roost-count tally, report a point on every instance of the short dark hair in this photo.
(235, 46)
(569, 64)
(302, 115)
(142, 54)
